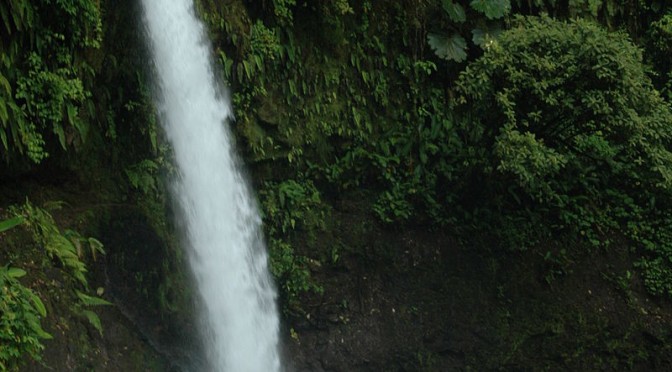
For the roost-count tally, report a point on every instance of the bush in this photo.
(561, 117)
(20, 313)
(564, 109)
(289, 207)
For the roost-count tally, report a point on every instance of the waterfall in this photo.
(228, 256)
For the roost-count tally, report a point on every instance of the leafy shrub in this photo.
(292, 205)
(69, 249)
(20, 313)
(565, 109)
(561, 118)
(143, 175)
(64, 247)
(288, 207)
(291, 270)
(45, 75)
(264, 42)
(51, 100)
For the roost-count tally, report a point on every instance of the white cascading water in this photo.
(229, 259)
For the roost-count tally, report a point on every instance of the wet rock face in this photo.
(415, 300)
(146, 281)
(134, 252)
(385, 306)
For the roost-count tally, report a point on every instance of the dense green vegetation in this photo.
(46, 100)
(578, 140)
(554, 128)
(517, 125)
(22, 309)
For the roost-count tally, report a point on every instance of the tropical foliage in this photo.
(20, 313)
(44, 75)
(564, 121)
(21, 308)
(565, 110)
(553, 128)
(517, 122)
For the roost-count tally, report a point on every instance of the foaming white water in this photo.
(223, 226)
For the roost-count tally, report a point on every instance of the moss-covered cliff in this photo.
(446, 185)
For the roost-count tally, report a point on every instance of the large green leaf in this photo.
(94, 320)
(493, 9)
(39, 305)
(484, 37)
(8, 224)
(34, 323)
(455, 11)
(452, 48)
(15, 272)
(5, 84)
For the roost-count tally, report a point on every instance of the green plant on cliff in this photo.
(352, 97)
(58, 246)
(289, 207)
(561, 117)
(69, 249)
(45, 76)
(20, 312)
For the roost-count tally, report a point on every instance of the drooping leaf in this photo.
(3, 139)
(5, 84)
(96, 247)
(452, 48)
(12, 222)
(58, 131)
(63, 247)
(455, 11)
(4, 114)
(94, 320)
(39, 305)
(34, 323)
(15, 272)
(492, 9)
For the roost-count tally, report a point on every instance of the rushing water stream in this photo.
(229, 259)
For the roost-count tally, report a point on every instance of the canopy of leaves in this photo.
(560, 118)
(576, 100)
